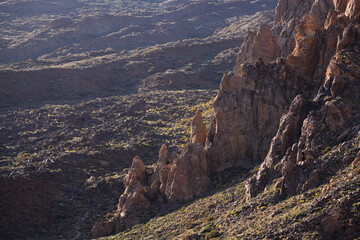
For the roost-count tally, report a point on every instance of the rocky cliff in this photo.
(294, 92)
(249, 105)
(328, 113)
(173, 180)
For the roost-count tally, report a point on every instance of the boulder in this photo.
(104, 164)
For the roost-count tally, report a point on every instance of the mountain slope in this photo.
(299, 116)
(80, 49)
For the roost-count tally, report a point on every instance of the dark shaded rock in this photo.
(330, 225)
(343, 135)
(247, 110)
(288, 133)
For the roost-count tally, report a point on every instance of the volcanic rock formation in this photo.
(172, 181)
(307, 127)
(284, 103)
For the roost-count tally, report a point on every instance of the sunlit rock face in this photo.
(322, 45)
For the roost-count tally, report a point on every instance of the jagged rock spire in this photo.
(198, 129)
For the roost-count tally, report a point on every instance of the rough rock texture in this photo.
(247, 110)
(257, 44)
(304, 56)
(198, 129)
(289, 31)
(288, 132)
(159, 179)
(249, 105)
(131, 203)
(304, 131)
(188, 175)
(280, 112)
(137, 171)
(173, 180)
(287, 15)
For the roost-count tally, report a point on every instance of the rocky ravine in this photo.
(56, 50)
(291, 100)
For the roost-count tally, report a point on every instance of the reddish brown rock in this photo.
(163, 156)
(257, 44)
(287, 14)
(307, 41)
(198, 129)
(159, 178)
(132, 201)
(337, 86)
(137, 170)
(353, 10)
(343, 135)
(188, 175)
(247, 111)
(244, 52)
(333, 116)
(356, 162)
(348, 37)
(340, 5)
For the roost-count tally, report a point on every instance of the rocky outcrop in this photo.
(304, 131)
(257, 44)
(307, 40)
(188, 174)
(172, 181)
(287, 15)
(198, 129)
(159, 178)
(132, 203)
(289, 31)
(280, 113)
(247, 111)
(249, 106)
(136, 171)
(287, 134)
